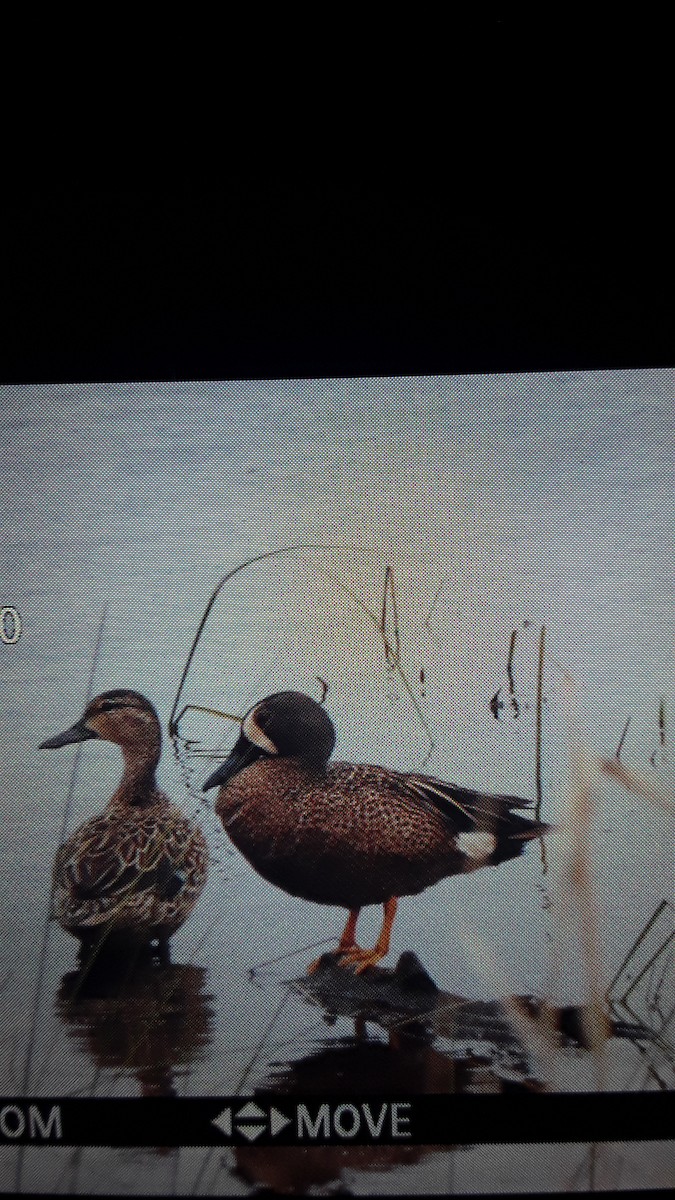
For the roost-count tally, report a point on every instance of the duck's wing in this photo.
(464, 810)
(109, 861)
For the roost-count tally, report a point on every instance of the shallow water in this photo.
(499, 504)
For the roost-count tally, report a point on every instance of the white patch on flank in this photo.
(254, 733)
(476, 845)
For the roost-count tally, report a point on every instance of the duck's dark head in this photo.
(285, 725)
(119, 716)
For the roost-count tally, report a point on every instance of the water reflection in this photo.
(388, 1032)
(507, 1035)
(408, 1004)
(403, 1055)
(353, 1066)
(148, 1021)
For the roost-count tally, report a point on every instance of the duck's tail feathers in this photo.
(536, 829)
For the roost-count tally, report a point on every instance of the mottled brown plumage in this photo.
(136, 870)
(351, 834)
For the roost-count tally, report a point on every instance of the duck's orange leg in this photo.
(361, 959)
(347, 940)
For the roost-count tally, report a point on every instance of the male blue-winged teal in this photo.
(350, 834)
(135, 871)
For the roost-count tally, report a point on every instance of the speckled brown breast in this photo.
(349, 837)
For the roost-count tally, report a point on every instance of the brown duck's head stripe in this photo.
(93, 723)
(119, 698)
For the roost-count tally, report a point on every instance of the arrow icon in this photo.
(250, 1121)
(251, 1132)
(223, 1122)
(250, 1112)
(277, 1121)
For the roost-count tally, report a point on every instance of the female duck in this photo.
(134, 873)
(351, 834)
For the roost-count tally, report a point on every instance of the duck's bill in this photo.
(225, 772)
(242, 755)
(76, 733)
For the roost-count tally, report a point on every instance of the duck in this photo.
(134, 872)
(352, 834)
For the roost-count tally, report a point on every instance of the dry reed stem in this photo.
(640, 784)
(392, 654)
(576, 893)
(509, 673)
(539, 1034)
(622, 739)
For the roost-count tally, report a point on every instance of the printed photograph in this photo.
(337, 784)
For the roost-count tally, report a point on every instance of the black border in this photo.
(307, 282)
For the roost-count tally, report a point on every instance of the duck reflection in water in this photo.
(355, 1067)
(147, 1022)
(408, 1062)
(426, 1041)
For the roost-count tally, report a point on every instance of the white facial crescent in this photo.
(254, 733)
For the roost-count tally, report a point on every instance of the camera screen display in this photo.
(337, 785)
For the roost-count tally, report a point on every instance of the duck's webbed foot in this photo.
(347, 941)
(354, 956)
(361, 959)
